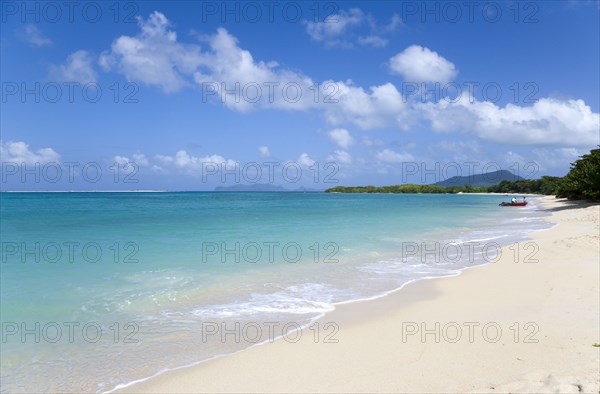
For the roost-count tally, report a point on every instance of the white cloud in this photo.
(380, 106)
(33, 36)
(458, 146)
(395, 22)
(389, 156)
(341, 137)
(553, 158)
(195, 165)
(419, 64)
(78, 68)
(122, 160)
(372, 40)
(139, 159)
(264, 151)
(259, 84)
(547, 122)
(461, 151)
(511, 157)
(183, 159)
(18, 152)
(164, 159)
(332, 30)
(338, 29)
(305, 160)
(153, 57)
(158, 169)
(540, 161)
(340, 156)
(372, 142)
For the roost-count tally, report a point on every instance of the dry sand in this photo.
(548, 313)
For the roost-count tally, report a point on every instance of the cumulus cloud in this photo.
(332, 30)
(195, 165)
(372, 40)
(547, 122)
(122, 160)
(461, 151)
(389, 156)
(340, 29)
(377, 107)
(78, 68)
(458, 146)
(419, 64)
(341, 137)
(186, 163)
(156, 58)
(305, 160)
(264, 151)
(340, 156)
(370, 142)
(18, 152)
(226, 66)
(32, 35)
(395, 22)
(153, 57)
(552, 158)
(536, 162)
(138, 159)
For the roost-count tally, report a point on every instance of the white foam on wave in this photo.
(307, 298)
(403, 269)
(313, 300)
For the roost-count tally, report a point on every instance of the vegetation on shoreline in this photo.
(582, 182)
(407, 188)
(546, 185)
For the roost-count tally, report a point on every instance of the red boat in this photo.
(513, 204)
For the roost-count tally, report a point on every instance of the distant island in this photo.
(481, 180)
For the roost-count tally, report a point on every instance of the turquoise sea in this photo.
(102, 289)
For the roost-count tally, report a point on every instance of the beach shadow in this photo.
(572, 204)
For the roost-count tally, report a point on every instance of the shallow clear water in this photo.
(100, 289)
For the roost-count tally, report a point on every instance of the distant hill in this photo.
(481, 180)
(260, 187)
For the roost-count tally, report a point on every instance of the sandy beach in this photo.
(509, 326)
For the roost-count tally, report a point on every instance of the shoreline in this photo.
(260, 367)
(225, 191)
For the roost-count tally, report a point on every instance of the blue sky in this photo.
(356, 76)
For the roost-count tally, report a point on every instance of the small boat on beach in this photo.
(513, 204)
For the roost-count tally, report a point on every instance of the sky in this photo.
(191, 95)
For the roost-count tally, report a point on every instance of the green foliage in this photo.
(546, 185)
(583, 181)
(406, 188)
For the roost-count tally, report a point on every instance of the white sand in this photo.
(559, 296)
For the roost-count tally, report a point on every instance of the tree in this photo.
(583, 181)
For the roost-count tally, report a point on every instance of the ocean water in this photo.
(102, 289)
